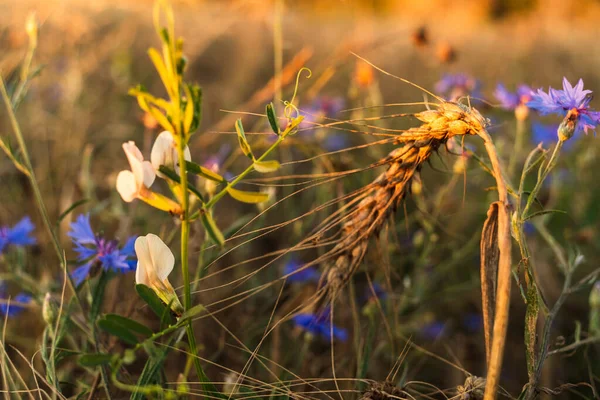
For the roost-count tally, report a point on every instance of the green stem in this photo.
(241, 176)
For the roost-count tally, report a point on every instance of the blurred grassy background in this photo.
(78, 113)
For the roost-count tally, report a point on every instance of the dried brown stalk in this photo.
(370, 215)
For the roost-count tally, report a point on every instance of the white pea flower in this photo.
(133, 184)
(164, 152)
(155, 263)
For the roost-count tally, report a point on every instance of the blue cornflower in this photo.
(433, 330)
(16, 305)
(297, 274)
(509, 100)
(319, 325)
(473, 322)
(572, 103)
(454, 86)
(335, 142)
(321, 108)
(94, 249)
(18, 235)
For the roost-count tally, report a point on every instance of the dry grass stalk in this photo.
(370, 215)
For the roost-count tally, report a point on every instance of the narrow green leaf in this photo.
(130, 324)
(118, 330)
(272, 118)
(98, 295)
(70, 209)
(248, 197)
(211, 228)
(160, 66)
(95, 359)
(189, 110)
(204, 172)
(265, 167)
(192, 312)
(155, 303)
(543, 212)
(239, 128)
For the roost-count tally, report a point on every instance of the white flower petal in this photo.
(149, 174)
(163, 260)
(127, 186)
(141, 278)
(135, 158)
(162, 151)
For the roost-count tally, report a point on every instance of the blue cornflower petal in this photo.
(308, 322)
(544, 133)
(13, 309)
(79, 274)
(455, 86)
(81, 230)
(299, 274)
(84, 253)
(335, 142)
(114, 261)
(544, 103)
(19, 234)
(128, 248)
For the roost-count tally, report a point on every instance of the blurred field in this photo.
(77, 114)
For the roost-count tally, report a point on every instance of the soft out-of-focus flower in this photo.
(214, 163)
(320, 325)
(335, 142)
(445, 52)
(12, 306)
(321, 108)
(298, 274)
(94, 250)
(511, 100)
(376, 292)
(364, 75)
(135, 183)
(155, 263)
(571, 103)
(433, 330)
(473, 322)
(18, 235)
(164, 152)
(454, 86)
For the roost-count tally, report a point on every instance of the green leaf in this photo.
(543, 212)
(95, 359)
(71, 208)
(239, 128)
(192, 312)
(272, 118)
(248, 197)
(118, 330)
(212, 229)
(155, 303)
(204, 172)
(189, 110)
(130, 324)
(265, 167)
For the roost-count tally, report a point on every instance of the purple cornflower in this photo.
(320, 325)
(94, 249)
(571, 103)
(18, 235)
(335, 142)
(299, 274)
(454, 86)
(16, 305)
(321, 108)
(509, 100)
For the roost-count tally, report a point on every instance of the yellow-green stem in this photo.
(241, 176)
